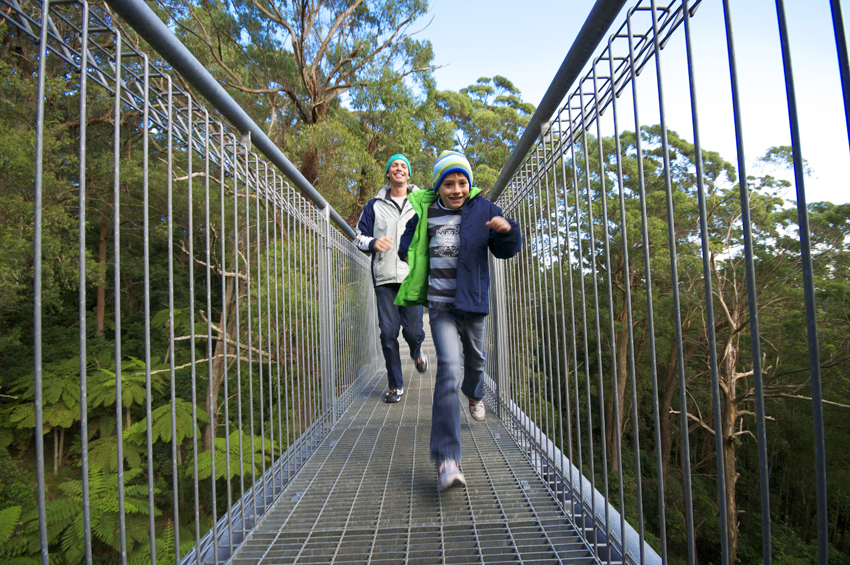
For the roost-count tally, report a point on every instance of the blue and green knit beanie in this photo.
(450, 162)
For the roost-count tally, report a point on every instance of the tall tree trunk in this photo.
(55, 451)
(310, 166)
(666, 401)
(219, 362)
(614, 432)
(100, 310)
(671, 386)
(61, 447)
(728, 418)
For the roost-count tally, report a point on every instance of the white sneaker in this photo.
(448, 475)
(476, 409)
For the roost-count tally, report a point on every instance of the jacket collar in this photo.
(384, 193)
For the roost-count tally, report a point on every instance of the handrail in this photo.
(148, 25)
(595, 29)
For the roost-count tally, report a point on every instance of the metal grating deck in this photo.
(369, 494)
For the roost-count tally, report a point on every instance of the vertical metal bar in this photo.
(286, 294)
(551, 332)
(260, 184)
(809, 291)
(527, 405)
(500, 328)
(540, 366)
(37, 280)
(585, 341)
(116, 285)
(517, 380)
(175, 482)
(677, 313)
(650, 316)
(324, 310)
(843, 62)
(719, 440)
(190, 234)
(313, 327)
(147, 300)
(558, 321)
(755, 339)
(569, 253)
(212, 400)
(520, 310)
(596, 324)
(565, 469)
(615, 401)
(277, 306)
(225, 324)
(517, 370)
(81, 304)
(249, 311)
(267, 188)
(627, 285)
(300, 259)
(237, 242)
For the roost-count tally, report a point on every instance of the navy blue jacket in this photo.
(473, 270)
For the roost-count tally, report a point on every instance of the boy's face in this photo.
(454, 190)
(398, 171)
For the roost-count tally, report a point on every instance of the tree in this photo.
(299, 58)
(489, 117)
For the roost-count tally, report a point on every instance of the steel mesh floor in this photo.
(369, 494)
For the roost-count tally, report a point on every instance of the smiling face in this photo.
(398, 173)
(454, 190)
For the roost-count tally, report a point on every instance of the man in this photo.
(379, 231)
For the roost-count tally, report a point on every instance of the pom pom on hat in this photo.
(394, 158)
(450, 162)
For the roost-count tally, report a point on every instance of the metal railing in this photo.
(242, 320)
(624, 324)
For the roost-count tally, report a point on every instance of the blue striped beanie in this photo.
(450, 162)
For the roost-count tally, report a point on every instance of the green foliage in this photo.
(9, 520)
(133, 384)
(161, 424)
(489, 118)
(246, 464)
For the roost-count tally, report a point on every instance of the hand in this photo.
(384, 244)
(499, 225)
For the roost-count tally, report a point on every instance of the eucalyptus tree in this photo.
(295, 61)
(489, 118)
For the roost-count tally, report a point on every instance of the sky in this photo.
(526, 42)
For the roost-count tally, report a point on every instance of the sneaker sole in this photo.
(456, 480)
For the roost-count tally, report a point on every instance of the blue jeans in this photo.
(390, 317)
(451, 329)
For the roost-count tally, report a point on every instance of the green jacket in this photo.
(414, 289)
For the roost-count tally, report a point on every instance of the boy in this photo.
(446, 244)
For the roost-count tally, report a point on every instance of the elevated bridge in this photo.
(266, 316)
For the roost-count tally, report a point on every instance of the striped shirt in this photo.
(443, 250)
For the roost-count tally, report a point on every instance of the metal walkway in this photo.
(369, 494)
